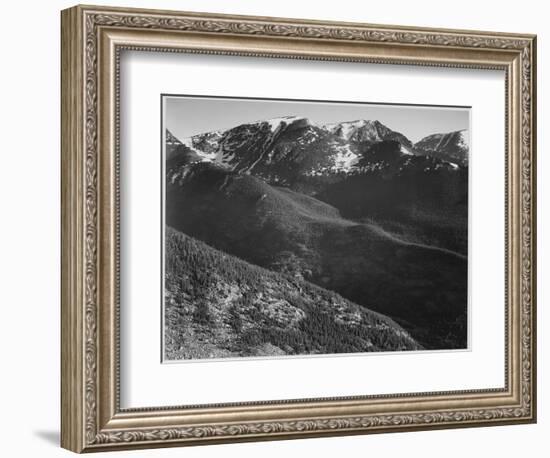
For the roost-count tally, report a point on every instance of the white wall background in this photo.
(29, 241)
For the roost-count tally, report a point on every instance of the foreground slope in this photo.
(217, 305)
(423, 287)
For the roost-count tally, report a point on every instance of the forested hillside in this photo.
(220, 306)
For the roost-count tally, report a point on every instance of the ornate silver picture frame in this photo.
(94, 40)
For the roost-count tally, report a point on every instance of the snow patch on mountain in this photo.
(345, 129)
(451, 147)
(406, 151)
(344, 159)
(464, 139)
(275, 123)
(360, 129)
(205, 157)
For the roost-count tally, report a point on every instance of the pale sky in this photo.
(185, 116)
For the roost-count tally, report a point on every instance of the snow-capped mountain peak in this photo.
(171, 138)
(276, 123)
(451, 146)
(464, 139)
(347, 129)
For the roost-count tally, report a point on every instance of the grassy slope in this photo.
(220, 306)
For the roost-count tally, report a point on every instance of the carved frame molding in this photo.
(92, 38)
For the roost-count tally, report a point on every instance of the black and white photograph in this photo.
(304, 227)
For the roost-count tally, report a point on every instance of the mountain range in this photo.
(352, 208)
(270, 147)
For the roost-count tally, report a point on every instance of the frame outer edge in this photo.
(139, 11)
(534, 224)
(80, 428)
(73, 319)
